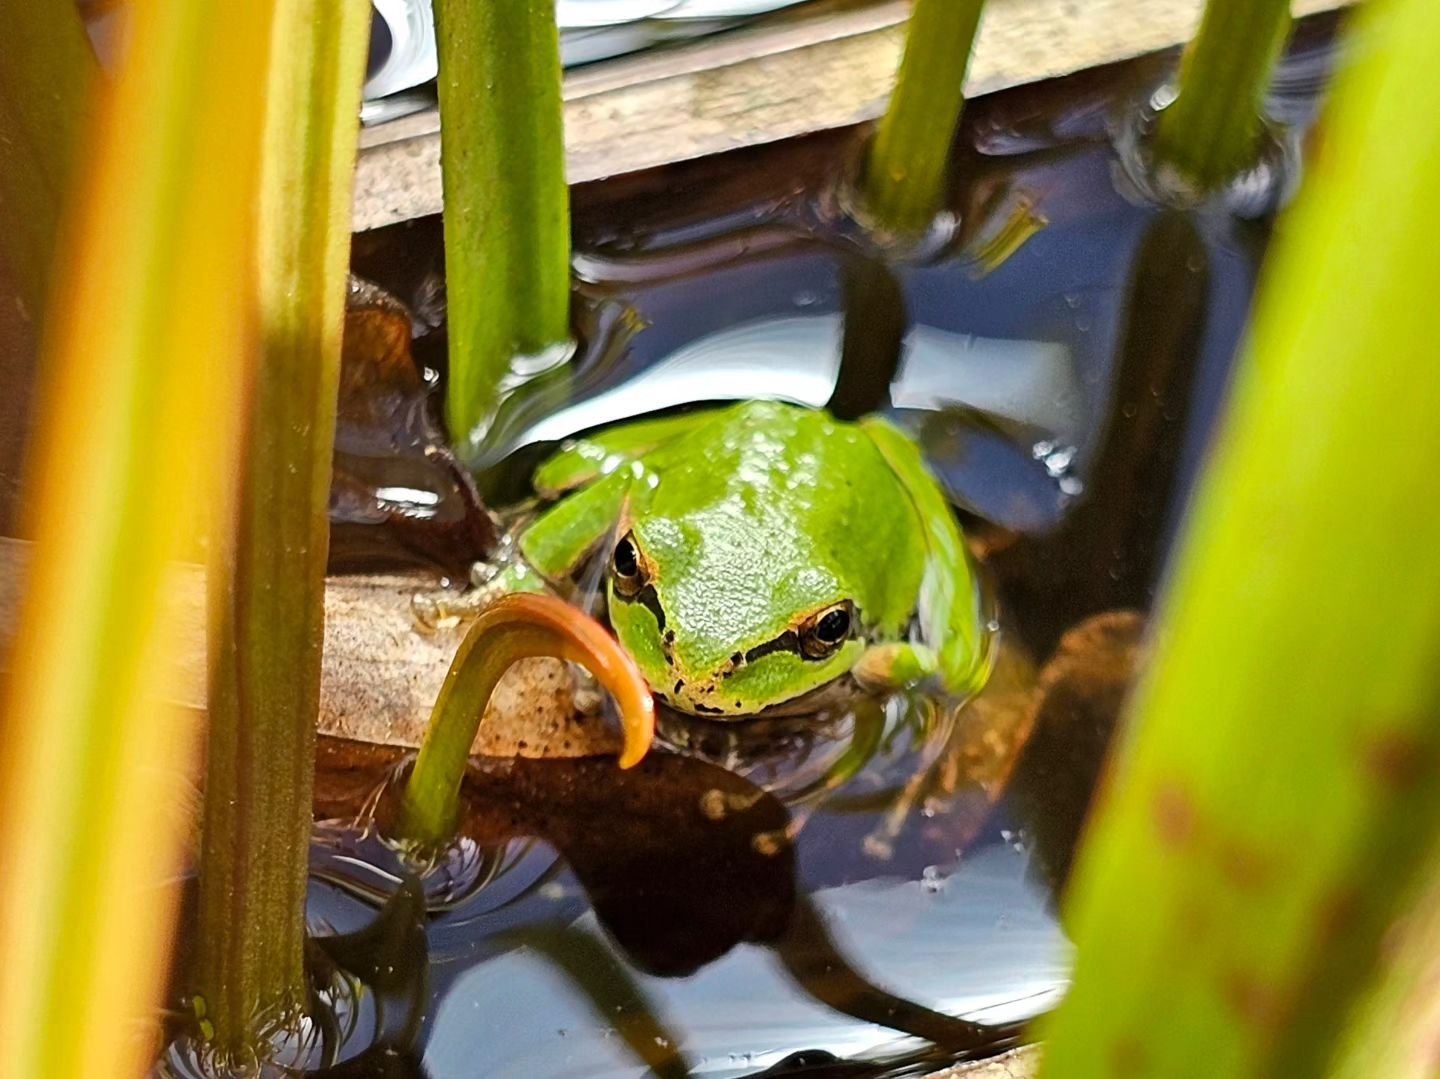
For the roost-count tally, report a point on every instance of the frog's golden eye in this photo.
(625, 567)
(825, 631)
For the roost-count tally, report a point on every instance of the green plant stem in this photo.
(1278, 794)
(142, 366)
(514, 628)
(1211, 132)
(268, 589)
(905, 178)
(507, 208)
(46, 72)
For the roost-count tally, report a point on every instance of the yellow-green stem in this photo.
(46, 74)
(1211, 132)
(507, 208)
(144, 353)
(908, 168)
(1262, 827)
(268, 586)
(514, 628)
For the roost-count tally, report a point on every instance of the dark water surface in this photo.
(821, 899)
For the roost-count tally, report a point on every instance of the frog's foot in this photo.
(588, 695)
(891, 666)
(446, 608)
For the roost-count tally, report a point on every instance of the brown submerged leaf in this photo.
(399, 495)
(1076, 709)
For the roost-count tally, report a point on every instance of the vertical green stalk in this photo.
(46, 72)
(143, 358)
(268, 587)
(906, 175)
(1211, 132)
(507, 208)
(1279, 796)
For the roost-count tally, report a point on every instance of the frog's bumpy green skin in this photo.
(748, 526)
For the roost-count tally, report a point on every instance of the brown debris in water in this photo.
(1077, 707)
(676, 887)
(399, 496)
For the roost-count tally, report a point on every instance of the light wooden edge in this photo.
(812, 69)
(1022, 1063)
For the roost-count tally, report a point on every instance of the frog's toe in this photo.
(588, 695)
(441, 610)
(888, 666)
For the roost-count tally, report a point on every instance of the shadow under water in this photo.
(875, 894)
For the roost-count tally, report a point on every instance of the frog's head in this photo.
(722, 625)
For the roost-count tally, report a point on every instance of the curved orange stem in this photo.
(516, 627)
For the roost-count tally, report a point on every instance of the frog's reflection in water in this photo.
(683, 859)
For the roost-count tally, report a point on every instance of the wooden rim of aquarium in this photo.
(825, 65)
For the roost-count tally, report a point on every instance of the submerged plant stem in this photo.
(905, 178)
(1276, 799)
(267, 590)
(515, 627)
(46, 73)
(1211, 132)
(507, 208)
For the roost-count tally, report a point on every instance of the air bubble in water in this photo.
(1058, 461)
(932, 882)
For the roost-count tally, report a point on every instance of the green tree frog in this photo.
(763, 557)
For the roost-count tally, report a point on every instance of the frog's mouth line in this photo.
(833, 694)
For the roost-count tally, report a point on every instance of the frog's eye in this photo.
(825, 631)
(625, 566)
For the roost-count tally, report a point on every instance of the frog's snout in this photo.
(700, 696)
(697, 697)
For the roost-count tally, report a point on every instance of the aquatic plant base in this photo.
(821, 66)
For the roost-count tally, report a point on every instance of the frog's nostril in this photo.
(679, 685)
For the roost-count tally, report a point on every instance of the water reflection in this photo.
(674, 897)
(1014, 961)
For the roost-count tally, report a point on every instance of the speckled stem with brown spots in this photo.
(1280, 792)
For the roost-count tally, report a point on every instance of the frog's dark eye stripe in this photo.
(647, 598)
(788, 641)
(819, 636)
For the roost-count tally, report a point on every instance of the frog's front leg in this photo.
(548, 551)
(894, 666)
(446, 608)
(949, 603)
(557, 542)
(585, 459)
